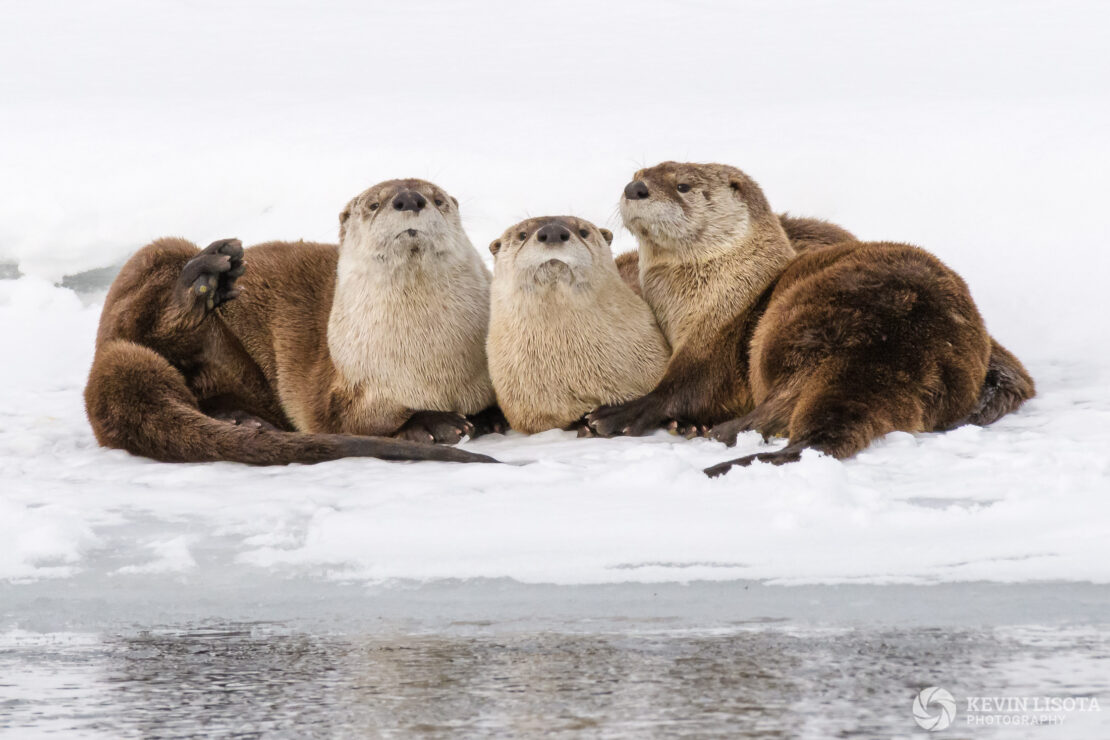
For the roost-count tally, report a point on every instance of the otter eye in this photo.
(439, 202)
(683, 187)
(522, 236)
(373, 206)
(583, 233)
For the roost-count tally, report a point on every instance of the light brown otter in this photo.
(1007, 386)
(567, 335)
(322, 348)
(833, 348)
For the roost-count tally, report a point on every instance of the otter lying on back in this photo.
(322, 349)
(833, 348)
(567, 335)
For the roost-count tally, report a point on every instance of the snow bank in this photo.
(1025, 499)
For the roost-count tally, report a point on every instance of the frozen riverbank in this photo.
(1022, 500)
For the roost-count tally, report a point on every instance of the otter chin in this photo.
(567, 335)
(832, 348)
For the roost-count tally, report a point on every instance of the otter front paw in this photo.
(728, 431)
(489, 421)
(208, 279)
(687, 429)
(444, 427)
(634, 418)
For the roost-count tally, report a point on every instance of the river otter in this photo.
(319, 348)
(567, 335)
(833, 347)
(1007, 386)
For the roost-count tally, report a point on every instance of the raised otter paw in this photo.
(634, 418)
(444, 427)
(208, 279)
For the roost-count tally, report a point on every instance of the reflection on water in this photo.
(752, 681)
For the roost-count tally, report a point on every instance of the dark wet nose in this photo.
(553, 234)
(409, 200)
(636, 190)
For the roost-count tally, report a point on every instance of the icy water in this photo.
(825, 662)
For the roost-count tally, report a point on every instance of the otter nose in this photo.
(553, 234)
(409, 200)
(636, 190)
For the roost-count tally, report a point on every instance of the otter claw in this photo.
(444, 427)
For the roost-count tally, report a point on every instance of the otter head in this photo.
(551, 251)
(692, 209)
(402, 221)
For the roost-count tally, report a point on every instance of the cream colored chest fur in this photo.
(557, 355)
(413, 336)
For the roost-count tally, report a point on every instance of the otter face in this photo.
(551, 251)
(677, 206)
(400, 221)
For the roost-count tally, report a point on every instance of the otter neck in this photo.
(376, 299)
(696, 295)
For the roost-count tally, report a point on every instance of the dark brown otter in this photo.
(1007, 386)
(178, 362)
(833, 348)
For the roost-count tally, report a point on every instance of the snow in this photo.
(950, 128)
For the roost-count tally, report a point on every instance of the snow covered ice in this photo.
(236, 126)
(977, 131)
(1024, 499)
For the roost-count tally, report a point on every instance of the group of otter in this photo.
(397, 342)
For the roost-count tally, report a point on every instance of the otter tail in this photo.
(835, 425)
(137, 401)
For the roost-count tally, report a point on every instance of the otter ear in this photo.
(737, 187)
(607, 235)
(495, 246)
(455, 201)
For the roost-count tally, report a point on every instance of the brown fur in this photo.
(1008, 384)
(628, 267)
(804, 234)
(812, 233)
(174, 350)
(834, 348)
(567, 335)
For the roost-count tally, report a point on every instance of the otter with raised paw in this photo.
(301, 352)
(567, 335)
(832, 348)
